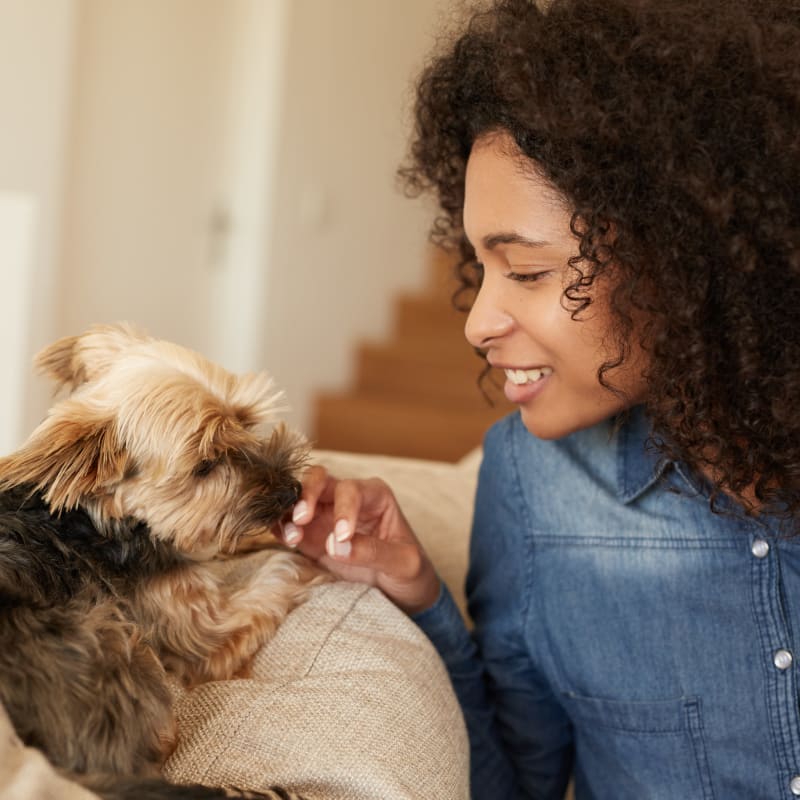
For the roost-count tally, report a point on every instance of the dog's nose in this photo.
(290, 494)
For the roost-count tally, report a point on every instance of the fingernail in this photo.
(342, 530)
(291, 535)
(337, 549)
(300, 511)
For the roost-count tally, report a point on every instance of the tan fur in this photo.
(150, 407)
(206, 629)
(150, 439)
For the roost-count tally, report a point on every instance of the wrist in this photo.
(426, 592)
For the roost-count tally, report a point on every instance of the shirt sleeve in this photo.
(520, 736)
(491, 771)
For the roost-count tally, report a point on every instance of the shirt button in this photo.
(783, 660)
(759, 548)
(794, 785)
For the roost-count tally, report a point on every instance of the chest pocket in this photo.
(639, 751)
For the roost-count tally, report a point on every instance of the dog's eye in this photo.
(204, 468)
(131, 472)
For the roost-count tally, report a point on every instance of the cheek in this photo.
(540, 314)
(591, 348)
(574, 347)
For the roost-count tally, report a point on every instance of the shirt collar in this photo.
(639, 466)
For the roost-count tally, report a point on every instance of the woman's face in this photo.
(520, 230)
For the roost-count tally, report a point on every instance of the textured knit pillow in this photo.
(349, 701)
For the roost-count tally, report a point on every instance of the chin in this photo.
(544, 425)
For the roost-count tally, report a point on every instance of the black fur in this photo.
(65, 639)
(46, 560)
(134, 789)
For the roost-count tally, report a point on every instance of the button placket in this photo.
(782, 659)
(760, 548)
(780, 685)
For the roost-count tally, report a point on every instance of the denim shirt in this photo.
(623, 632)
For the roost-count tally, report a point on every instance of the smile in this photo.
(522, 376)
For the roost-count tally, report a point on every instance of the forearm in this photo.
(492, 774)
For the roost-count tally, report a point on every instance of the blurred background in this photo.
(222, 174)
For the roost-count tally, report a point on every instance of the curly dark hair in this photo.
(672, 127)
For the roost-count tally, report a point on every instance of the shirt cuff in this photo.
(443, 624)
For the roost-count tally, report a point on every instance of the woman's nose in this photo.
(486, 320)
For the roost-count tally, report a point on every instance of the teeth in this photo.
(521, 376)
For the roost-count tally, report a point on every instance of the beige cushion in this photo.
(25, 774)
(348, 701)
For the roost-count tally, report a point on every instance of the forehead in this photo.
(503, 193)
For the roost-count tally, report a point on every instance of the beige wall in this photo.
(155, 143)
(36, 49)
(345, 238)
(229, 173)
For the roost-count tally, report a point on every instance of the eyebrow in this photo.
(494, 239)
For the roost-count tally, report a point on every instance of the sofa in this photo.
(349, 701)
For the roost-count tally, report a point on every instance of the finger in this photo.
(315, 480)
(360, 501)
(291, 534)
(310, 541)
(347, 499)
(400, 560)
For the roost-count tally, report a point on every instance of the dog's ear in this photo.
(67, 458)
(74, 360)
(60, 361)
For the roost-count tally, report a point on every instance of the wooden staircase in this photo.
(416, 395)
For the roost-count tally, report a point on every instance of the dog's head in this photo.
(151, 431)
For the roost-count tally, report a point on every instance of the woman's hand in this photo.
(356, 529)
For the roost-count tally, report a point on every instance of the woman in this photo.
(622, 179)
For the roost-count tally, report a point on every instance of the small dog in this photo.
(116, 518)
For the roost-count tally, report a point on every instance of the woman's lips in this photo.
(523, 384)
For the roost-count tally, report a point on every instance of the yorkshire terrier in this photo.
(116, 518)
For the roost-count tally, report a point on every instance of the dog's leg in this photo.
(207, 626)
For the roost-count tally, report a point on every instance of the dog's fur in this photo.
(116, 517)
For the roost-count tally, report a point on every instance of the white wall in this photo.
(229, 173)
(17, 226)
(247, 196)
(36, 49)
(345, 239)
(147, 165)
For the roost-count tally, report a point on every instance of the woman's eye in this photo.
(526, 277)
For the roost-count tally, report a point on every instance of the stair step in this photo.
(428, 316)
(441, 274)
(442, 348)
(430, 350)
(376, 424)
(416, 395)
(395, 370)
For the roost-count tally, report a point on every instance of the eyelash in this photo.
(525, 277)
(519, 277)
